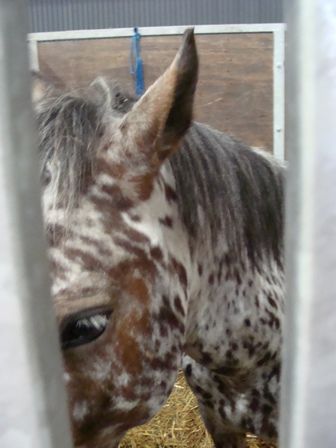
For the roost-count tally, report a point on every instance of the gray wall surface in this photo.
(60, 15)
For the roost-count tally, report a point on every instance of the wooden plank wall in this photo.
(235, 90)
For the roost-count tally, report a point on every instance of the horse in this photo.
(165, 241)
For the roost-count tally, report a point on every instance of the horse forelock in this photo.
(70, 128)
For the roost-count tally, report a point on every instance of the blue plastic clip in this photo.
(137, 69)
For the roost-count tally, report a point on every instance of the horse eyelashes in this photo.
(99, 322)
(80, 330)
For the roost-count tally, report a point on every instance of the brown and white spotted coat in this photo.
(143, 284)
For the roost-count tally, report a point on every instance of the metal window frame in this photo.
(277, 29)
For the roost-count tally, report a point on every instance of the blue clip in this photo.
(137, 70)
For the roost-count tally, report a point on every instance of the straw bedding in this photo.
(178, 425)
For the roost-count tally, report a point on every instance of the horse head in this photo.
(117, 255)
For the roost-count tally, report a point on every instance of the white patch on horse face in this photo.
(80, 410)
(54, 216)
(104, 179)
(148, 228)
(62, 260)
(72, 272)
(125, 405)
(150, 211)
(123, 379)
(87, 211)
(98, 193)
(90, 248)
(101, 370)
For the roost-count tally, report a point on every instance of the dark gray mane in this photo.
(239, 190)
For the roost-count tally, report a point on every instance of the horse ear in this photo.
(41, 87)
(161, 117)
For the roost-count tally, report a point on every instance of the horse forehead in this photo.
(96, 237)
(92, 252)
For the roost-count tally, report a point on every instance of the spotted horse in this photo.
(165, 240)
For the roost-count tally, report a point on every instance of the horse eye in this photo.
(82, 329)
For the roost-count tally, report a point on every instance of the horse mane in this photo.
(238, 190)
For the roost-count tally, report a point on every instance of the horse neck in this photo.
(163, 222)
(218, 269)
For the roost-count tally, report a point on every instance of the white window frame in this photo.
(277, 29)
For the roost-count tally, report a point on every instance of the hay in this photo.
(178, 425)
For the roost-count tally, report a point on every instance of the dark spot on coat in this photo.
(180, 270)
(188, 370)
(135, 218)
(178, 305)
(166, 221)
(272, 302)
(156, 253)
(170, 193)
